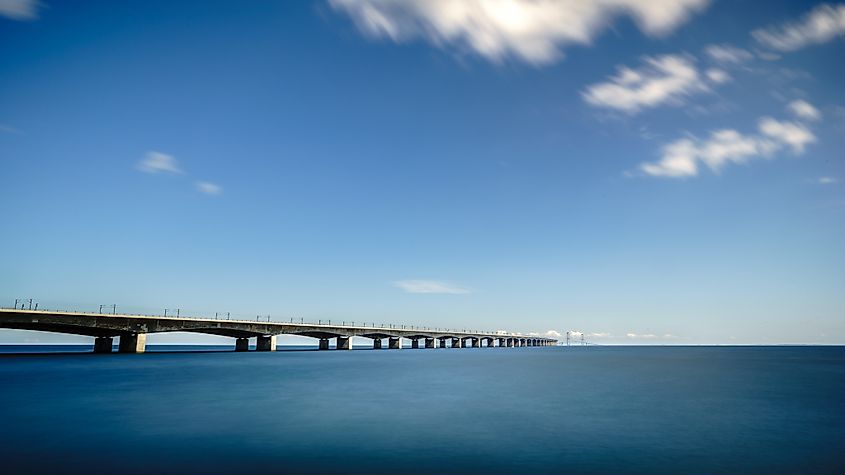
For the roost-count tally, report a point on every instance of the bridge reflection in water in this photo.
(132, 331)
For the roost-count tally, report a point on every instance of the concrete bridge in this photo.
(132, 330)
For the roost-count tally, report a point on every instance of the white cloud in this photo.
(804, 110)
(208, 188)
(663, 80)
(827, 180)
(429, 287)
(600, 335)
(727, 54)
(535, 31)
(553, 334)
(718, 76)
(155, 162)
(792, 134)
(821, 25)
(681, 158)
(19, 9)
(641, 335)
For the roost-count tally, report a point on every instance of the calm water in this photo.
(577, 410)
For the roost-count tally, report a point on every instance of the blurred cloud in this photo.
(208, 188)
(19, 9)
(662, 80)
(534, 31)
(154, 162)
(727, 54)
(682, 157)
(822, 24)
(429, 287)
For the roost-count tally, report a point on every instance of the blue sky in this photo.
(645, 172)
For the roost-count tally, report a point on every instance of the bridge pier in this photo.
(324, 344)
(376, 343)
(132, 343)
(265, 343)
(415, 343)
(103, 344)
(242, 344)
(344, 343)
(476, 342)
(456, 342)
(394, 343)
(429, 342)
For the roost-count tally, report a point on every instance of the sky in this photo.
(661, 172)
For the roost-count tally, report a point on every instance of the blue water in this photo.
(576, 410)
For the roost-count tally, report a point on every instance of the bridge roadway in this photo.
(132, 331)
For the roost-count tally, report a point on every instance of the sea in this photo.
(593, 409)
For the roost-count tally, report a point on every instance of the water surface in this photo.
(577, 410)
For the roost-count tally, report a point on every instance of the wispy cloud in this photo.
(155, 162)
(429, 287)
(682, 157)
(19, 9)
(804, 110)
(8, 129)
(208, 188)
(826, 180)
(662, 80)
(727, 54)
(534, 31)
(820, 25)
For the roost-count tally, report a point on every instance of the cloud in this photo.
(827, 180)
(155, 162)
(534, 31)
(429, 287)
(727, 54)
(663, 80)
(792, 134)
(821, 25)
(641, 335)
(682, 157)
(208, 188)
(19, 9)
(553, 334)
(8, 129)
(718, 76)
(804, 110)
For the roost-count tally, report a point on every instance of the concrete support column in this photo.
(476, 342)
(132, 343)
(324, 344)
(502, 342)
(394, 343)
(510, 342)
(415, 344)
(376, 343)
(103, 344)
(242, 344)
(265, 343)
(429, 342)
(344, 343)
(456, 343)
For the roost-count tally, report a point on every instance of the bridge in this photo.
(132, 331)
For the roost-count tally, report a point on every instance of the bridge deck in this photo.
(129, 327)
